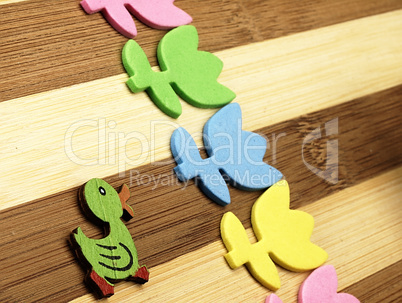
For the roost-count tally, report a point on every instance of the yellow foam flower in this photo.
(283, 237)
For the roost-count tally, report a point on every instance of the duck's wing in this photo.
(110, 258)
(116, 261)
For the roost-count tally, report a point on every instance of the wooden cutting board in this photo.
(67, 116)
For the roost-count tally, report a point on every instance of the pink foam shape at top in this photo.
(321, 286)
(273, 299)
(159, 14)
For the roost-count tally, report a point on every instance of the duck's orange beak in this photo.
(124, 195)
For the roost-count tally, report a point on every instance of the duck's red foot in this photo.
(102, 287)
(141, 276)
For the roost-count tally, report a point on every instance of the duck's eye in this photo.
(102, 191)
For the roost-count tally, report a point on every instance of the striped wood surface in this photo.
(67, 116)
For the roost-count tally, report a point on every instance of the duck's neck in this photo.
(118, 233)
(115, 225)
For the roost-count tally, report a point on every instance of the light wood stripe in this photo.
(366, 52)
(3, 2)
(359, 227)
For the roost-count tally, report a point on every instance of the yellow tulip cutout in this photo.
(283, 237)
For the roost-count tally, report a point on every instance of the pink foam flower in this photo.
(159, 14)
(319, 287)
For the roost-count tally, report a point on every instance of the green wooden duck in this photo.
(114, 257)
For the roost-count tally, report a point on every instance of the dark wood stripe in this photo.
(38, 264)
(44, 47)
(384, 286)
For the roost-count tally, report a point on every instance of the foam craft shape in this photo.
(272, 298)
(283, 237)
(321, 286)
(190, 73)
(235, 155)
(114, 257)
(159, 14)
